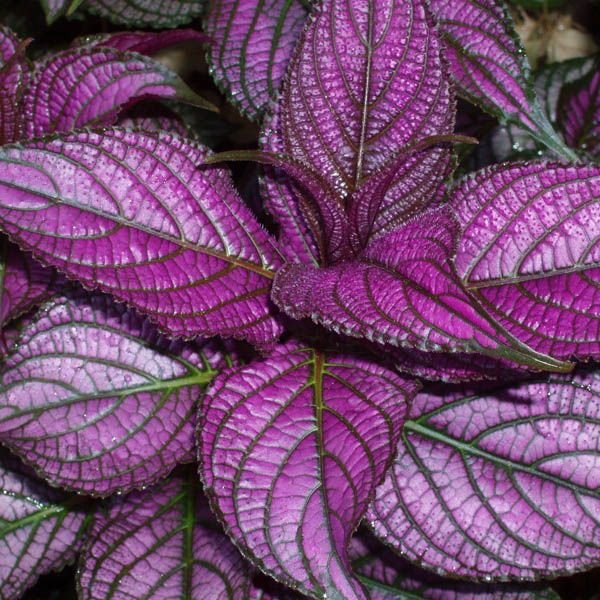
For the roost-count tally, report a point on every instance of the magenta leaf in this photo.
(142, 42)
(89, 86)
(292, 448)
(346, 113)
(579, 112)
(9, 42)
(388, 577)
(498, 485)
(251, 45)
(96, 401)
(489, 65)
(154, 118)
(529, 251)
(132, 214)
(160, 544)
(41, 529)
(402, 292)
(157, 14)
(24, 283)
(13, 74)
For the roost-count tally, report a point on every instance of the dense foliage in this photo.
(363, 369)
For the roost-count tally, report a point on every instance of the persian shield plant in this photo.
(386, 389)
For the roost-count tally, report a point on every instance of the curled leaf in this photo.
(97, 401)
(292, 448)
(131, 213)
(499, 484)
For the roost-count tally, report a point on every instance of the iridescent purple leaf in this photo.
(9, 42)
(24, 283)
(500, 484)
(89, 86)
(97, 401)
(579, 112)
(292, 447)
(251, 45)
(157, 14)
(402, 292)
(161, 544)
(529, 251)
(154, 118)
(489, 65)
(347, 113)
(41, 529)
(388, 577)
(142, 42)
(132, 213)
(13, 74)
(9, 335)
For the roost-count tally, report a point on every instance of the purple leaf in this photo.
(24, 283)
(97, 401)
(579, 113)
(9, 42)
(132, 214)
(89, 86)
(402, 292)
(41, 529)
(529, 252)
(498, 485)
(489, 65)
(13, 74)
(251, 45)
(157, 14)
(160, 544)
(142, 42)
(155, 118)
(366, 80)
(388, 577)
(292, 448)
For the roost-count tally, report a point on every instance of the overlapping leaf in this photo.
(158, 14)
(40, 529)
(529, 251)
(86, 86)
(132, 213)
(402, 292)
(251, 45)
(579, 112)
(292, 448)
(162, 543)
(498, 485)
(348, 114)
(97, 401)
(490, 67)
(9, 43)
(24, 283)
(13, 73)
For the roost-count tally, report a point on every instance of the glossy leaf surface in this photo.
(489, 65)
(97, 401)
(530, 252)
(41, 529)
(292, 448)
(402, 292)
(251, 45)
(88, 86)
(160, 544)
(500, 484)
(24, 283)
(157, 14)
(132, 213)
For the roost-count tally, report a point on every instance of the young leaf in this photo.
(24, 283)
(160, 544)
(157, 14)
(55, 9)
(402, 292)
(529, 251)
(292, 448)
(132, 214)
(89, 86)
(347, 113)
(251, 44)
(41, 529)
(489, 65)
(97, 401)
(579, 112)
(498, 485)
